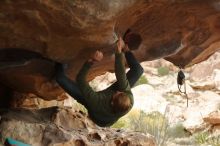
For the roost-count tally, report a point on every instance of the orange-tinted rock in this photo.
(213, 118)
(183, 32)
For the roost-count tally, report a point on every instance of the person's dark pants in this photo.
(72, 89)
(67, 84)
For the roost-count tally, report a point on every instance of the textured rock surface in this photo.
(31, 101)
(206, 75)
(184, 32)
(213, 118)
(204, 71)
(64, 127)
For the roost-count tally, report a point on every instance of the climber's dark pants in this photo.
(72, 89)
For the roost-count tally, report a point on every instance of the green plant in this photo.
(158, 126)
(162, 71)
(121, 123)
(201, 138)
(178, 131)
(207, 138)
(142, 80)
(214, 140)
(154, 123)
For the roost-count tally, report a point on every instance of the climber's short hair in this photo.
(132, 39)
(120, 102)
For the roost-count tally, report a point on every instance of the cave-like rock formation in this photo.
(184, 32)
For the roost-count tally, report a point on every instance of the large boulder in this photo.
(63, 127)
(206, 75)
(204, 70)
(199, 108)
(183, 32)
(213, 118)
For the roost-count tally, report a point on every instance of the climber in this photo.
(107, 106)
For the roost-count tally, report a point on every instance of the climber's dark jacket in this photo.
(98, 103)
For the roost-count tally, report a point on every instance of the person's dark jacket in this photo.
(98, 103)
(72, 88)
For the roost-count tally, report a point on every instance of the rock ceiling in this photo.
(184, 32)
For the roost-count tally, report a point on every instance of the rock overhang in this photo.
(183, 32)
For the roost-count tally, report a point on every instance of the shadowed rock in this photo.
(183, 32)
(61, 126)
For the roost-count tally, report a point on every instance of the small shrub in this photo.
(121, 123)
(178, 131)
(154, 123)
(201, 138)
(214, 140)
(142, 80)
(158, 127)
(207, 138)
(162, 71)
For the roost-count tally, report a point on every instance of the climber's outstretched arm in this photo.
(82, 83)
(136, 70)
